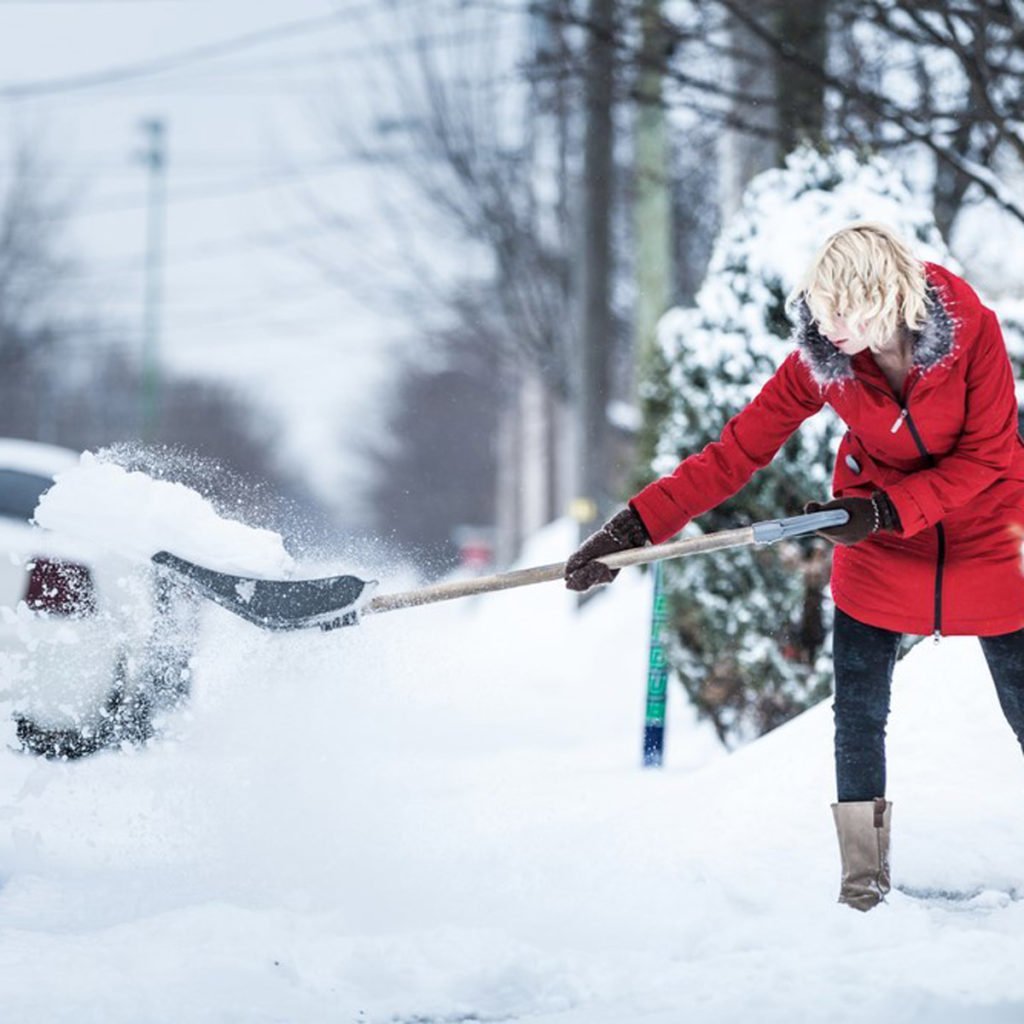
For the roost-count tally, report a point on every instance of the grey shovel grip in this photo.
(771, 530)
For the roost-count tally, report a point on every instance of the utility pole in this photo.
(595, 340)
(155, 158)
(652, 213)
(652, 219)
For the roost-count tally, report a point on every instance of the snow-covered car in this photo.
(91, 645)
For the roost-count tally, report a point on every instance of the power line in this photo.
(255, 325)
(85, 3)
(184, 164)
(202, 191)
(221, 303)
(183, 58)
(221, 190)
(196, 253)
(214, 250)
(235, 73)
(362, 52)
(225, 48)
(233, 330)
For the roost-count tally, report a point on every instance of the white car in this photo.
(91, 646)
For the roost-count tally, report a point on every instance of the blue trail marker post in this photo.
(657, 676)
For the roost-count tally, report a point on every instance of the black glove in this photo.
(876, 514)
(624, 530)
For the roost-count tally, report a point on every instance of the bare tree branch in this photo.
(912, 127)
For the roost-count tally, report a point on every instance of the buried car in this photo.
(92, 645)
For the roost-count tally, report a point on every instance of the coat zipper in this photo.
(940, 531)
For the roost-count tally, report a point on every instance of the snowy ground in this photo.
(439, 816)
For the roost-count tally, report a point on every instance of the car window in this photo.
(19, 493)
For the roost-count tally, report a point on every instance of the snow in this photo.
(135, 515)
(440, 816)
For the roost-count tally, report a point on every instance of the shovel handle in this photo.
(766, 532)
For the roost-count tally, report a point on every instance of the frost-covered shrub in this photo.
(749, 637)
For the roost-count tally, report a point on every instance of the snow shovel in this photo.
(334, 601)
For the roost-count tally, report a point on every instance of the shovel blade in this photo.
(326, 603)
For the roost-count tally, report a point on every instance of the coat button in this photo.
(853, 463)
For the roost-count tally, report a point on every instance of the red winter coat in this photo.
(946, 451)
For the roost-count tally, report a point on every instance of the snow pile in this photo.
(439, 815)
(136, 516)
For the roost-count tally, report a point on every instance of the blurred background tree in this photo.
(72, 381)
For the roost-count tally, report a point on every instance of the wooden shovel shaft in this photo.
(546, 573)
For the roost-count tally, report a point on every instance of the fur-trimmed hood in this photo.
(935, 342)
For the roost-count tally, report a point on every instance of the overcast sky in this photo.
(247, 89)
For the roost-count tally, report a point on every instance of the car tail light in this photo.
(62, 588)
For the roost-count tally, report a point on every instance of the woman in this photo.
(931, 472)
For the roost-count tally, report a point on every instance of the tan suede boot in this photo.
(863, 830)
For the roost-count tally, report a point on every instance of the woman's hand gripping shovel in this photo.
(334, 601)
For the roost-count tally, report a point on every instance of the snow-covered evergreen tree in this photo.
(749, 631)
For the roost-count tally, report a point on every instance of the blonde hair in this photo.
(867, 275)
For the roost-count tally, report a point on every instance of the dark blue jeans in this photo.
(864, 657)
